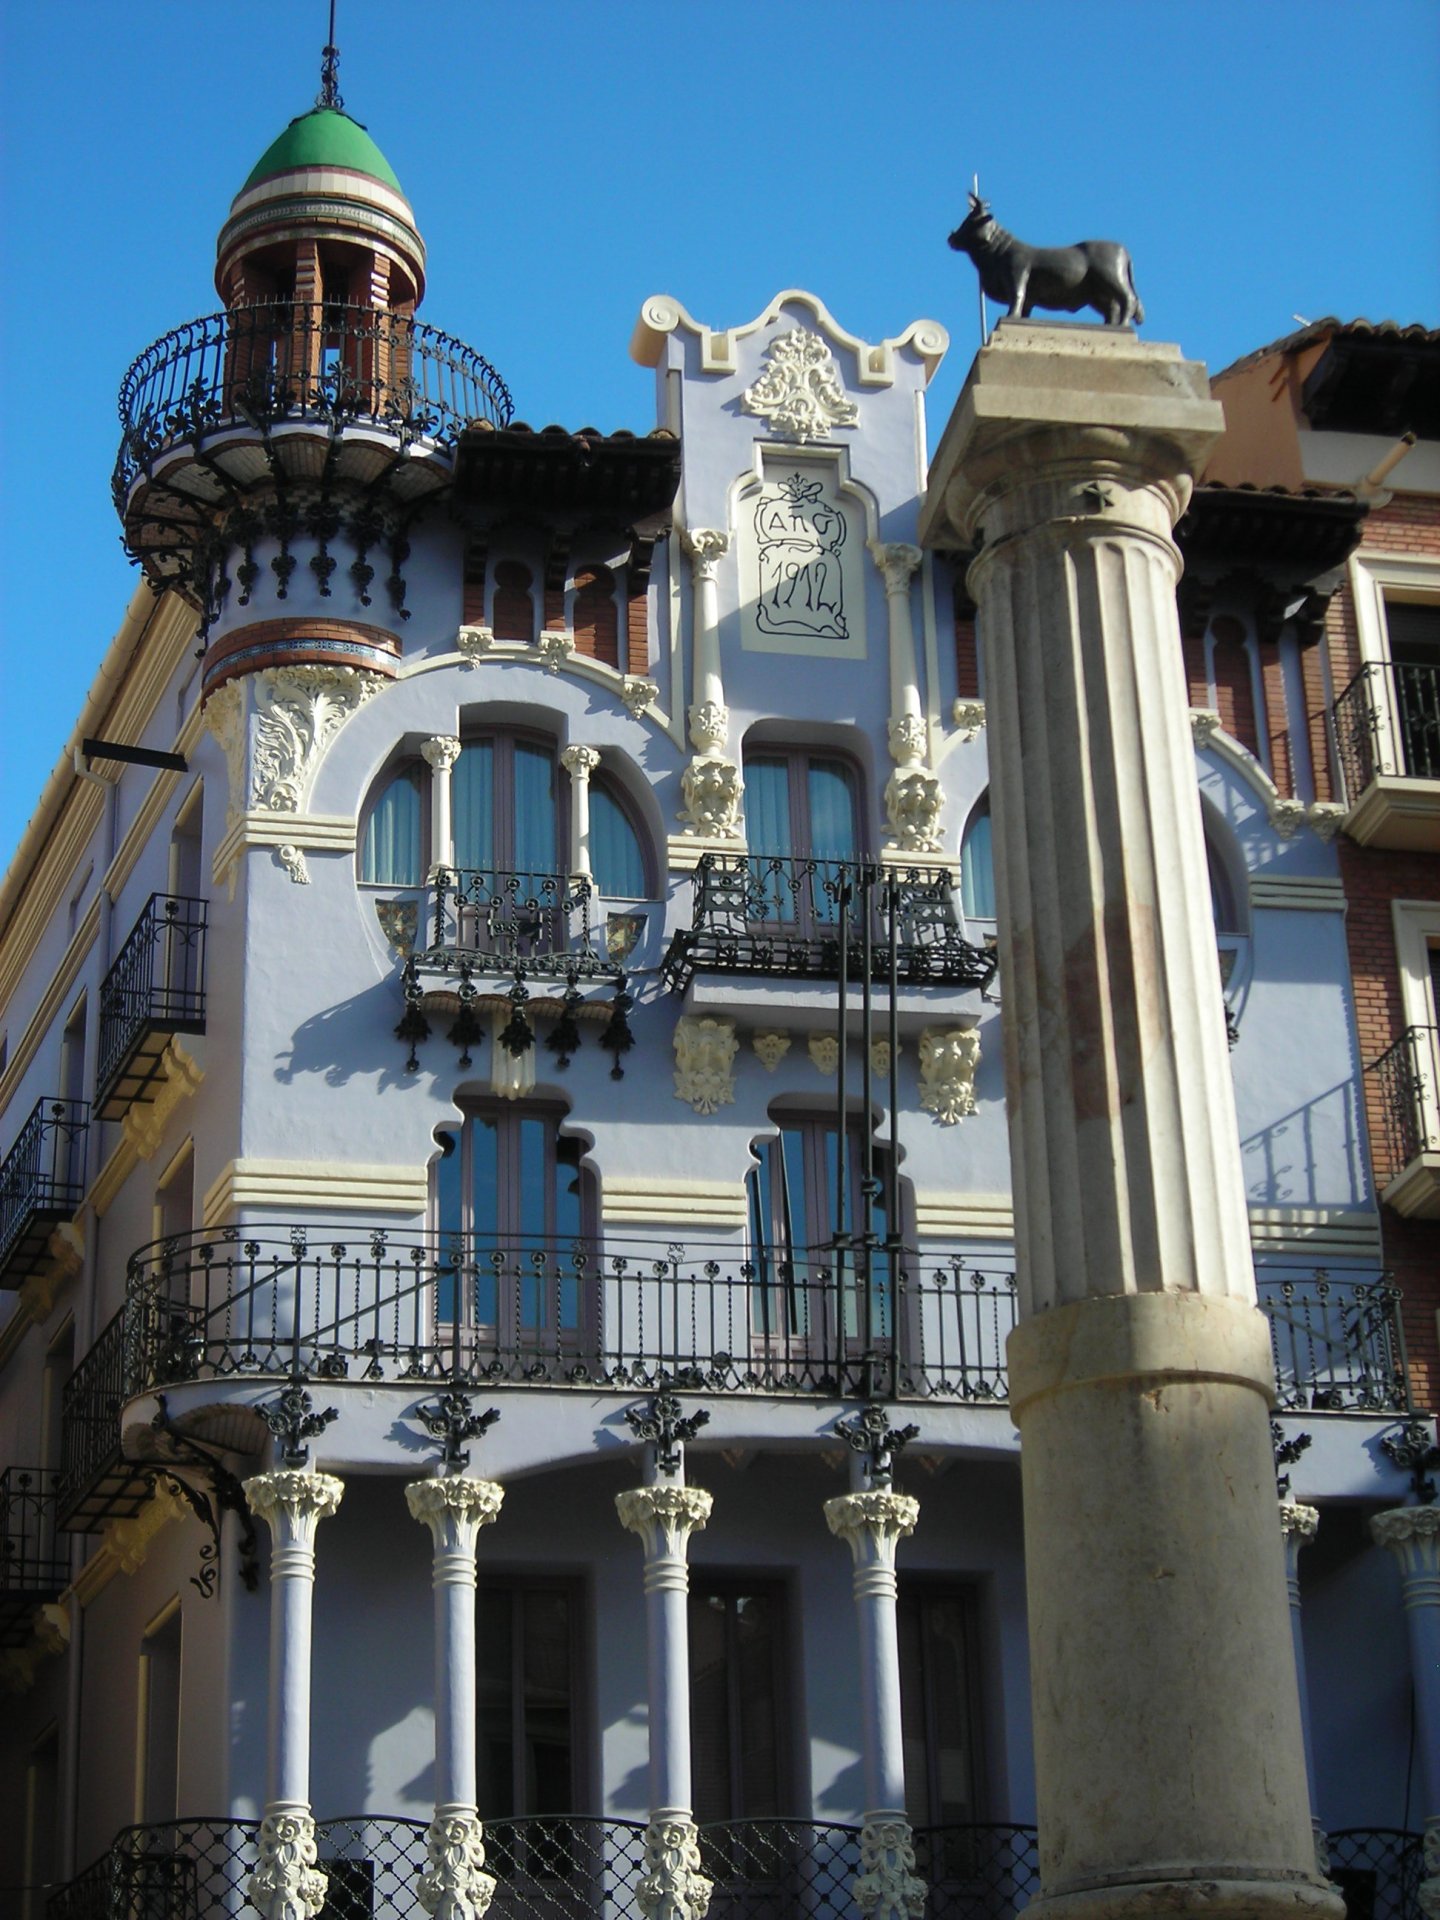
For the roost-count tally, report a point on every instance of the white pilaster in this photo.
(873, 1524)
(440, 755)
(1412, 1534)
(454, 1884)
(580, 763)
(664, 1516)
(292, 1501)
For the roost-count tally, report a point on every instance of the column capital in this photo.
(454, 1882)
(705, 546)
(886, 1886)
(898, 561)
(287, 1884)
(441, 752)
(580, 762)
(673, 1887)
(1298, 1522)
(454, 1508)
(297, 1498)
(1412, 1534)
(664, 1516)
(872, 1524)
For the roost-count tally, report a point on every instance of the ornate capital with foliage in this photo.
(672, 1886)
(664, 1516)
(1412, 1534)
(886, 1885)
(441, 751)
(287, 1885)
(872, 1524)
(292, 1501)
(455, 1509)
(706, 546)
(454, 1885)
(897, 561)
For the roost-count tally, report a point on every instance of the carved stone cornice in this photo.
(672, 1887)
(298, 712)
(454, 1885)
(664, 1516)
(455, 1509)
(287, 1884)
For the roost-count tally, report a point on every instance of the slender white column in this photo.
(1168, 1746)
(440, 755)
(1412, 1534)
(664, 1516)
(292, 1501)
(1298, 1525)
(454, 1884)
(711, 783)
(580, 763)
(897, 563)
(873, 1524)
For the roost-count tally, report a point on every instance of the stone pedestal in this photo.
(664, 1516)
(1412, 1534)
(1170, 1769)
(873, 1524)
(454, 1884)
(292, 1501)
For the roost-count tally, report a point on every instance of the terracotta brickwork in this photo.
(1234, 688)
(597, 621)
(637, 632)
(301, 643)
(967, 657)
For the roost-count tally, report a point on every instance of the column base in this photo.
(1427, 1893)
(1215, 1899)
(673, 1887)
(454, 1886)
(886, 1885)
(287, 1885)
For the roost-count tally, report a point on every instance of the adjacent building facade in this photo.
(531, 953)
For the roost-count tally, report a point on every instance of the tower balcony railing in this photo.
(282, 363)
(812, 917)
(495, 920)
(42, 1182)
(34, 1567)
(155, 989)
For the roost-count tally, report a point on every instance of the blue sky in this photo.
(565, 160)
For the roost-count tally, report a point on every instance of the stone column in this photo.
(664, 1516)
(1298, 1525)
(912, 795)
(292, 1501)
(455, 1884)
(711, 783)
(580, 763)
(873, 1523)
(440, 755)
(1412, 1534)
(1169, 1762)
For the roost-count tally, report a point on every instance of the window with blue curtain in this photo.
(977, 867)
(799, 807)
(391, 854)
(616, 856)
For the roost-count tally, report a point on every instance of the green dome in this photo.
(323, 137)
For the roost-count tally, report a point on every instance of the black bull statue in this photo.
(1096, 273)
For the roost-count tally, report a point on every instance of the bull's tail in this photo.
(1139, 316)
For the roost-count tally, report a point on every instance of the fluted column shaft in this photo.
(291, 1501)
(1168, 1747)
(1412, 1534)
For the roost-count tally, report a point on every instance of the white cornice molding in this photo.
(663, 315)
(314, 1183)
(672, 1201)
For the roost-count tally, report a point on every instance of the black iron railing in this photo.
(1339, 1345)
(96, 1481)
(1387, 721)
(42, 1181)
(1409, 1098)
(155, 989)
(496, 921)
(820, 918)
(1378, 1871)
(328, 1303)
(33, 1565)
(279, 363)
(560, 1868)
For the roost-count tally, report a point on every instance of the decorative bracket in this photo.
(451, 1419)
(1287, 1452)
(1414, 1452)
(292, 1420)
(219, 1493)
(665, 1427)
(870, 1433)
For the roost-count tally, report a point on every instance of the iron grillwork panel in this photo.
(277, 364)
(1387, 721)
(494, 921)
(33, 1565)
(757, 913)
(1378, 1872)
(97, 1483)
(1409, 1097)
(1338, 1345)
(42, 1182)
(155, 990)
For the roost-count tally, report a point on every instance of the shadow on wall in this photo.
(1294, 1161)
(354, 1037)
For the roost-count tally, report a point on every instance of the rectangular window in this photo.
(940, 1721)
(158, 1783)
(737, 1695)
(528, 1683)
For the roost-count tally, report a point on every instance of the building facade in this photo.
(513, 999)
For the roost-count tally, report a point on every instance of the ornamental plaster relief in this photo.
(771, 1048)
(824, 1051)
(713, 791)
(886, 1886)
(143, 1125)
(967, 717)
(225, 718)
(705, 1052)
(474, 643)
(287, 1884)
(913, 802)
(948, 1059)
(800, 394)
(298, 712)
(454, 1884)
(672, 1886)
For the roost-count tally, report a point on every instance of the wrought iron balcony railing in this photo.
(33, 1565)
(42, 1182)
(155, 989)
(279, 363)
(494, 921)
(560, 1868)
(1387, 721)
(1339, 1345)
(97, 1483)
(1409, 1098)
(819, 918)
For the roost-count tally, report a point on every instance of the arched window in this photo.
(597, 624)
(617, 856)
(503, 795)
(391, 852)
(977, 866)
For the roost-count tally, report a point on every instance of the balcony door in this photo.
(802, 824)
(1415, 670)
